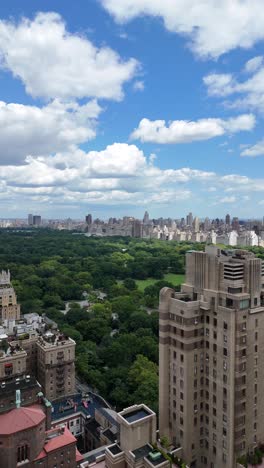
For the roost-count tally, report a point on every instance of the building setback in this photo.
(211, 369)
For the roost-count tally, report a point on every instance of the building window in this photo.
(22, 453)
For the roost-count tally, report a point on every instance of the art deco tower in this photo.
(212, 358)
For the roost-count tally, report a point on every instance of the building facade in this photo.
(9, 309)
(211, 390)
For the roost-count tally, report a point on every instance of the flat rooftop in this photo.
(114, 449)
(136, 415)
(156, 461)
(142, 452)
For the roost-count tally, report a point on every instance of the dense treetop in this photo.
(117, 338)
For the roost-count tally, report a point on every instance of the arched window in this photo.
(22, 453)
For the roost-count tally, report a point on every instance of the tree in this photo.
(143, 381)
(130, 284)
(72, 333)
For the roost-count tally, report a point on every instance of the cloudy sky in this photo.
(117, 106)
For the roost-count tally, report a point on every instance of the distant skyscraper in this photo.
(137, 228)
(196, 224)
(89, 219)
(146, 218)
(228, 220)
(30, 219)
(189, 219)
(235, 224)
(36, 220)
(207, 224)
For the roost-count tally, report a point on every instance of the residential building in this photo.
(137, 436)
(55, 365)
(9, 308)
(211, 368)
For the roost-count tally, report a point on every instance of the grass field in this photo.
(171, 277)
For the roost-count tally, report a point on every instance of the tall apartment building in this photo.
(211, 399)
(9, 309)
(55, 365)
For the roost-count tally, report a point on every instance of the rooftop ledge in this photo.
(135, 413)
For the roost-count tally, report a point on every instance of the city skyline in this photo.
(122, 106)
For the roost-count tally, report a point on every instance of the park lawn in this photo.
(170, 277)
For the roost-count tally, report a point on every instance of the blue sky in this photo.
(117, 106)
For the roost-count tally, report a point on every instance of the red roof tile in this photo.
(79, 456)
(59, 441)
(20, 419)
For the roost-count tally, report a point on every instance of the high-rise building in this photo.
(235, 224)
(146, 218)
(189, 219)
(196, 224)
(211, 369)
(136, 228)
(9, 309)
(88, 219)
(30, 219)
(228, 220)
(36, 220)
(55, 365)
(207, 224)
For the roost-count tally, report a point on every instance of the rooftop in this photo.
(135, 413)
(20, 419)
(10, 386)
(74, 404)
(57, 438)
(52, 339)
(114, 449)
(156, 458)
(142, 451)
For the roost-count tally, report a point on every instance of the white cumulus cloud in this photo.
(183, 131)
(247, 93)
(30, 130)
(254, 150)
(213, 27)
(54, 63)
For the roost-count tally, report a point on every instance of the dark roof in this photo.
(93, 427)
(92, 458)
(61, 409)
(108, 416)
(142, 452)
(110, 435)
(136, 415)
(114, 449)
(11, 386)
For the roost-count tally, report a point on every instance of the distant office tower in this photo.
(189, 219)
(36, 220)
(146, 218)
(211, 369)
(88, 219)
(235, 224)
(196, 224)
(30, 219)
(228, 220)
(207, 224)
(9, 308)
(136, 228)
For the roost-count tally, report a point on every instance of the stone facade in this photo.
(211, 391)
